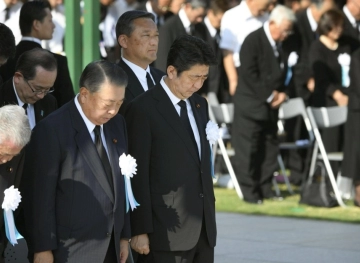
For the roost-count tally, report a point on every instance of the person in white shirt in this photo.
(351, 11)
(236, 24)
(9, 15)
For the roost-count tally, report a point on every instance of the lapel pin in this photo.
(42, 113)
(114, 141)
(197, 105)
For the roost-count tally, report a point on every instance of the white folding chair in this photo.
(222, 114)
(290, 109)
(322, 118)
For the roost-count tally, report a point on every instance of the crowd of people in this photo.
(147, 97)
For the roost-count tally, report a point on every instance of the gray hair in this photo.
(280, 13)
(197, 3)
(14, 125)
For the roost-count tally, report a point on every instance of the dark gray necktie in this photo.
(185, 120)
(103, 156)
(25, 105)
(7, 13)
(149, 81)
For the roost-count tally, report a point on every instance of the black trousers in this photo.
(201, 253)
(256, 147)
(111, 252)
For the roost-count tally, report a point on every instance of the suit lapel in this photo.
(204, 144)
(8, 93)
(134, 86)
(112, 142)
(87, 148)
(168, 111)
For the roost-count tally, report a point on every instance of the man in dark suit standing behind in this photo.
(36, 25)
(166, 128)
(192, 12)
(138, 38)
(75, 200)
(7, 45)
(15, 133)
(258, 96)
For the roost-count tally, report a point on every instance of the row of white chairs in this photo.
(314, 119)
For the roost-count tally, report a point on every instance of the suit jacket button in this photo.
(201, 195)
(108, 234)
(9, 169)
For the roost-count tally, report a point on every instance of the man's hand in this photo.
(311, 85)
(340, 98)
(140, 244)
(230, 70)
(124, 250)
(278, 99)
(44, 257)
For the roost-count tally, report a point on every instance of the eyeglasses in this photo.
(38, 92)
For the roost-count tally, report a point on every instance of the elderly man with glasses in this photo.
(33, 79)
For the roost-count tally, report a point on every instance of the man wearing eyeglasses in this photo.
(34, 77)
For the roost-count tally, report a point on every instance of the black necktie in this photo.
(280, 55)
(185, 120)
(217, 36)
(25, 105)
(103, 156)
(357, 28)
(7, 13)
(149, 81)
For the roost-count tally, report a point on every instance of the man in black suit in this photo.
(137, 36)
(159, 8)
(166, 128)
(183, 23)
(258, 96)
(15, 133)
(75, 198)
(7, 45)
(352, 19)
(209, 31)
(36, 25)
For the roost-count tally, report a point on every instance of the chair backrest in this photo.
(223, 113)
(212, 99)
(327, 117)
(296, 107)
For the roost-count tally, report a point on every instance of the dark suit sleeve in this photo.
(139, 133)
(165, 42)
(64, 91)
(354, 89)
(250, 69)
(41, 171)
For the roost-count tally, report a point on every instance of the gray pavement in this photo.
(255, 239)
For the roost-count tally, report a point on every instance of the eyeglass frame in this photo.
(39, 92)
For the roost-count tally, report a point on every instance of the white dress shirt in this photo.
(139, 72)
(55, 44)
(13, 21)
(349, 16)
(185, 20)
(30, 108)
(90, 126)
(175, 101)
(313, 23)
(33, 39)
(236, 24)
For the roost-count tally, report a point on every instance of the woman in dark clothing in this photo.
(351, 162)
(330, 63)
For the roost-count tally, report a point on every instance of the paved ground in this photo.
(255, 239)
(261, 239)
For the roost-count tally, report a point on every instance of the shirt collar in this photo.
(184, 19)
(20, 102)
(212, 30)
(313, 23)
(33, 39)
(2, 5)
(89, 125)
(268, 35)
(245, 11)
(171, 95)
(349, 16)
(138, 71)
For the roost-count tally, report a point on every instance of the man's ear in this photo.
(171, 72)
(123, 41)
(83, 94)
(36, 25)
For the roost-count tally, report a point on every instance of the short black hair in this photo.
(100, 71)
(7, 42)
(37, 57)
(198, 3)
(31, 11)
(124, 25)
(187, 51)
(329, 20)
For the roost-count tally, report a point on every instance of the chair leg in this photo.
(313, 160)
(276, 187)
(329, 170)
(230, 168)
(283, 171)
